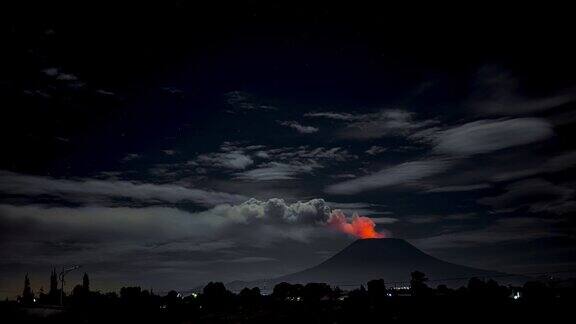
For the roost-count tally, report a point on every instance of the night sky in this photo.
(170, 145)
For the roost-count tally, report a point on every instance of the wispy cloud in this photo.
(69, 79)
(471, 187)
(502, 230)
(404, 173)
(497, 92)
(278, 171)
(335, 115)
(243, 101)
(86, 189)
(131, 156)
(436, 218)
(485, 136)
(298, 127)
(288, 163)
(364, 209)
(536, 195)
(386, 122)
(375, 150)
(230, 160)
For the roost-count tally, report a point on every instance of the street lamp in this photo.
(64, 272)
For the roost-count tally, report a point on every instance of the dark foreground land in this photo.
(479, 302)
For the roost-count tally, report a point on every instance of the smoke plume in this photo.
(360, 226)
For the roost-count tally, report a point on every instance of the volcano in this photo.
(387, 258)
(390, 259)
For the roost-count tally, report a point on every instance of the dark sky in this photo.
(168, 145)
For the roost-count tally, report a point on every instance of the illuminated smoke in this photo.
(298, 217)
(360, 226)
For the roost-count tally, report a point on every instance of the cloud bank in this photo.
(93, 189)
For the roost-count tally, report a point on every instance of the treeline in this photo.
(479, 300)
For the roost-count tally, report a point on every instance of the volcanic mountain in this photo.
(390, 259)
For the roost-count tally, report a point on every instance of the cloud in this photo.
(81, 233)
(386, 122)
(169, 152)
(486, 136)
(251, 259)
(429, 219)
(363, 209)
(343, 176)
(229, 160)
(384, 220)
(375, 150)
(289, 162)
(86, 189)
(314, 153)
(284, 163)
(284, 153)
(393, 122)
(57, 74)
(96, 223)
(537, 195)
(52, 71)
(298, 127)
(105, 92)
(334, 115)
(498, 93)
(130, 157)
(276, 210)
(168, 246)
(404, 173)
(502, 230)
(243, 101)
(471, 187)
(66, 77)
(562, 161)
(231, 155)
(451, 146)
(278, 171)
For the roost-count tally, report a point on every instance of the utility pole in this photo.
(64, 272)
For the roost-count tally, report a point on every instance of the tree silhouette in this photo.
(53, 292)
(248, 293)
(27, 294)
(215, 290)
(314, 292)
(418, 283)
(376, 290)
(285, 290)
(78, 292)
(216, 296)
(53, 283)
(85, 283)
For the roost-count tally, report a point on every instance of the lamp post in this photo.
(64, 272)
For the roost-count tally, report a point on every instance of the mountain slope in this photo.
(390, 259)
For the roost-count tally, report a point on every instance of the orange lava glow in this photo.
(359, 226)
